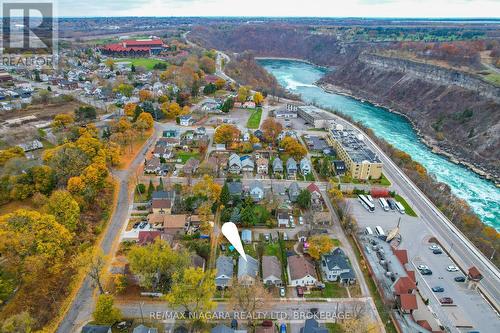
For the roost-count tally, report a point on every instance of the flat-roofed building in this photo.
(360, 160)
(315, 116)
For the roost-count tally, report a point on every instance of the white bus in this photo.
(369, 197)
(400, 207)
(379, 231)
(368, 231)
(366, 203)
(383, 204)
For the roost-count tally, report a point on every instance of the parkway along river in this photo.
(299, 77)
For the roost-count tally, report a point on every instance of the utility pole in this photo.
(142, 313)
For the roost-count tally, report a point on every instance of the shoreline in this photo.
(331, 88)
(292, 59)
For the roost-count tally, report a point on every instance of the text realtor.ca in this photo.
(260, 315)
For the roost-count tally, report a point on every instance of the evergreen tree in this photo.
(151, 189)
(132, 68)
(225, 196)
(160, 185)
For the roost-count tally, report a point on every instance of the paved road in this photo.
(464, 253)
(83, 304)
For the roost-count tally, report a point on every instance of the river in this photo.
(482, 195)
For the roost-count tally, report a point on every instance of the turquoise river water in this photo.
(299, 77)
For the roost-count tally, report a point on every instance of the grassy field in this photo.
(408, 210)
(332, 290)
(147, 63)
(254, 120)
(186, 155)
(334, 328)
(493, 78)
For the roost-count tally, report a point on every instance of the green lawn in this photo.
(493, 78)
(383, 181)
(254, 120)
(147, 63)
(332, 290)
(273, 249)
(408, 210)
(334, 328)
(186, 155)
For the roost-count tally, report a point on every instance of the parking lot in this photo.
(415, 238)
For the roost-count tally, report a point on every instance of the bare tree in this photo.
(249, 299)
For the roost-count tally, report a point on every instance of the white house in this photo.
(234, 164)
(185, 120)
(262, 166)
(256, 191)
(301, 272)
(305, 166)
(247, 164)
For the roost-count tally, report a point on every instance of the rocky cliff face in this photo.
(455, 112)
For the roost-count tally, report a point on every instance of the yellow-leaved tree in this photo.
(319, 245)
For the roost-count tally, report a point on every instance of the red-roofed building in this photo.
(404, 285)
(148, 237)
(402, 256)
(474, 274)
(425, 324)
(408, 303)
(140, 47)
(411, 275)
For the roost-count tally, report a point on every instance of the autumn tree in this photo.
(206, 217)
(144, 122)
(192, 290)
(19, 323)
(293, 148)
(226, 133)
(207, 187)
(172, 110)
(62, 121)
(243, 94)
(64, 208)
(10, 153)
(110, 63)
(129, 109)
(360, 325)
(155, 262)
(207, 65)
(258, 98)
(319, 245)
(124, 89)
(145, 95)
(105, 312)
(271, 129)
(249, 299)
(220, 83)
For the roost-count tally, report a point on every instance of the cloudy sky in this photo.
(324, 8)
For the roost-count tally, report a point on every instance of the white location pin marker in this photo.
(230, 230)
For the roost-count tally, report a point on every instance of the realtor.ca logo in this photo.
(28, 33)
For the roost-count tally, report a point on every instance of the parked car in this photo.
(437, 251)
(266, 237)
(437, 289)
(301, 220)
(460, 279)
(452, 268)
(267, 323)
(282, 292)
(434, 247)
(300, 291)
(223, 247)
(285, 236)
(283, 328)
(446, 300)
(422, 267)
(136, 225)
(426, 272)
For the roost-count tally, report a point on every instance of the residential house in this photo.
(339, 167)
(336, 267)
(170, 133)
(200, 131)
(316, 198)
(247, 164)
(246, 236)
(283, 219)
(186, 120)
(407, 303)
(168, 142)
(259, 134)
(30, 146)
(404, 285)
(153, 165)
(148, 237)
(246, 136)
(293, 191)
(158, 195)
(248, 270)
(271, 270)
(191, 166)
(262, 166)
(234, 164)
(175, 225)
(90, 328)
(305, 166)
(256, 190)
(162, 152)
(312, 326)
(278, 165)
(235, 188)
(301, 271)
(161, 206)
(144, 329)
(291, 167)
(223, 277)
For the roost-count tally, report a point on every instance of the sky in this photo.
(273, 8)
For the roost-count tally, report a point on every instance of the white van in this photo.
(368, 231)
(379, 231)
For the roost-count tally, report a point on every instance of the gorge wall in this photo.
(454, 111)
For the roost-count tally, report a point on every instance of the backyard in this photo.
(254, 120)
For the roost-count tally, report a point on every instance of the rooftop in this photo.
(354, 145)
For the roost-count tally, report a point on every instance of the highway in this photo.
(464, 253)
